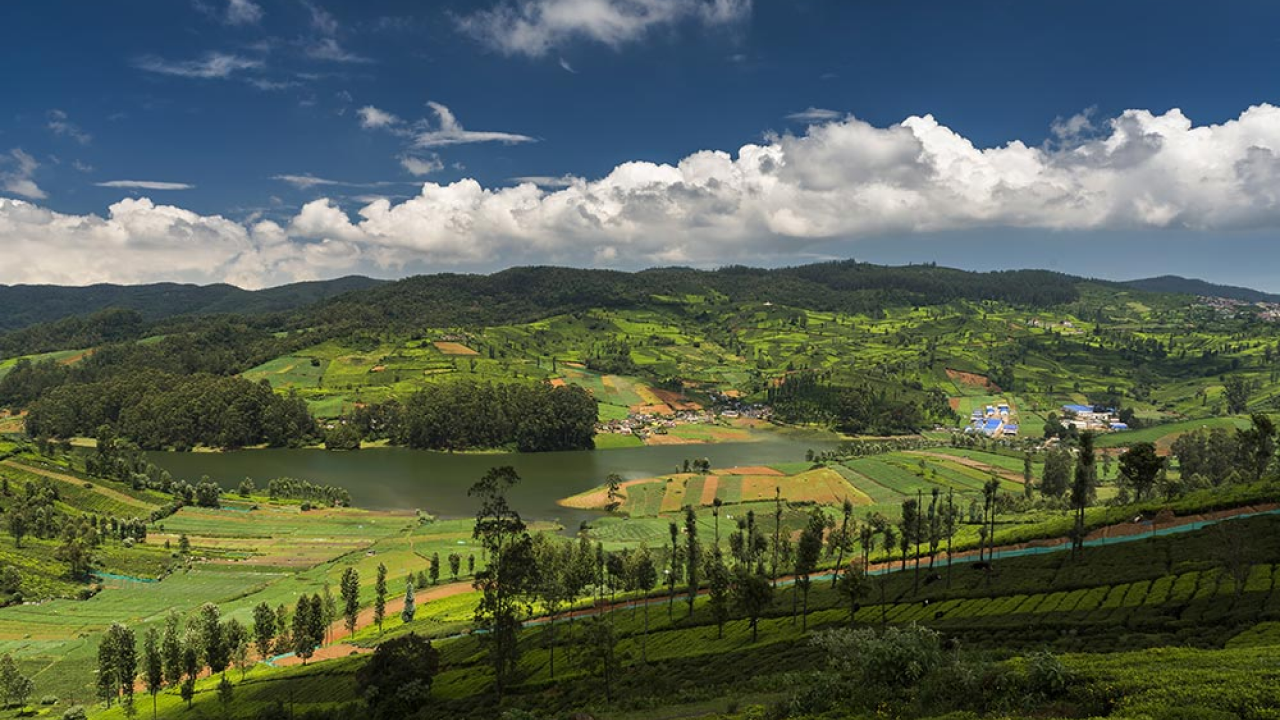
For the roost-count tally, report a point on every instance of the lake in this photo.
(437, 482)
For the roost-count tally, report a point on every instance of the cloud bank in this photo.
(839, 180)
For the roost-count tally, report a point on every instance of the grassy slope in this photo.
(1068, 610)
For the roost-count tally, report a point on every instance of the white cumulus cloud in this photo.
(418, 166)
(534, 27)
(373, 118)
(781, 198)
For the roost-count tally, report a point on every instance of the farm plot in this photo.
(894, 477)
(290, 371)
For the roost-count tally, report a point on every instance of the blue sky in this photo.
(259, 141)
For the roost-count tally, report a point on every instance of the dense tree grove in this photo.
(465, 415)
(293, 489)
(857, 410)
(159, 411)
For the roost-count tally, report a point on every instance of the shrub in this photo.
(75, 712)
(895, 657)
(1046, 675)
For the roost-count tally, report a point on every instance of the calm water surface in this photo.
(436, 482)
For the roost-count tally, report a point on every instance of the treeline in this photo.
(292, 489)
(210, 346)
(529, 293)
(27, 305)
(467, 415)
(858, 410)
(1214, 457)
(159, 410)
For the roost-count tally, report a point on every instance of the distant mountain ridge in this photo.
(1192, 286)
(523, 293)
(22, 306)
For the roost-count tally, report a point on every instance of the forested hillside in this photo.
(26, 305)
(850, 346)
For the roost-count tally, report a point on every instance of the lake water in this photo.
(436, 482)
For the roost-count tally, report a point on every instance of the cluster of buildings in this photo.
(1088, 417)
(994, 421)
(1228, 307)
(644, 424)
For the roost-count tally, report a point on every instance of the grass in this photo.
(1125, 664)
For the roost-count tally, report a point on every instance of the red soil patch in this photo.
(378, 368)
(652, 409)
(453, 348)
(598, 498)
(557, 382)
(676, 400)
(965, 378)
(709, 488)
(954, 403)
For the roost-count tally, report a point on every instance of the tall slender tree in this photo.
(506, 583)
(350, 589)
(691, 555)
(1083, 487)
(646, 579)
(808, 552)
(719, 585)
(380, 596)
(673, 570)
(841, 539)
(152, 665)
(171, 649)
(304, 645)
(410, 609)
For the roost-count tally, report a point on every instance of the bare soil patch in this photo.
(709, 489)
(972, 379)
(453, 348)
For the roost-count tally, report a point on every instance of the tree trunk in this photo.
(795, 602)
(644, 642)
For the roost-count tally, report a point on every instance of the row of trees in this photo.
(172, 658)
(525, 571)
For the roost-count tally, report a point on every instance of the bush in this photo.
(1046, 676)
(49, 700)
(75, 712)
(896, 657)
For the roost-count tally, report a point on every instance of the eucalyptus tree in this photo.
(692, 558)
(808, 552)
(506, 582)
